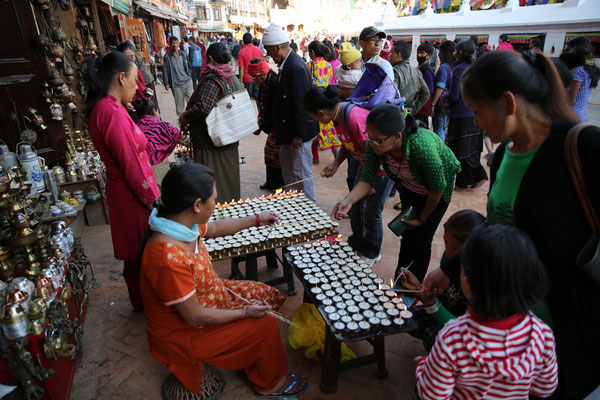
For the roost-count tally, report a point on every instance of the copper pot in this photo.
(17, 296)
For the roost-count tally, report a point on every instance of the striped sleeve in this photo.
(546, 381)
(435, 373)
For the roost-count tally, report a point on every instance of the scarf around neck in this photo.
(172, 228)
(221, 71)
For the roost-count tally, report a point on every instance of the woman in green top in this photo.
(423, 169)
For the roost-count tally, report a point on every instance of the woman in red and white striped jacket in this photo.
(498, 349)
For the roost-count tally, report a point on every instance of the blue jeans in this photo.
(440, 122)
(365, 219)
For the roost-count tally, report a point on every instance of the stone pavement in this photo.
(116, 361)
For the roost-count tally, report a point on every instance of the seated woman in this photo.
(162, 137)
(193, 316)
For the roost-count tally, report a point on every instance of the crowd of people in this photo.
(509, 313)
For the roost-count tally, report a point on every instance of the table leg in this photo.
(271, 259)
(288, 275)
(251, 268)
(379, 351)
(331, 363)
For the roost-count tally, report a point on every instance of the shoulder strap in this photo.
(346, 108)
(226, 89)
(576, 172)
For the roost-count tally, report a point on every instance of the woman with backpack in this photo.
(422, 167)
(216, 80)
(323, 105)
(322, 74)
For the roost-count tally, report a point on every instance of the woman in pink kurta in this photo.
(130, 185)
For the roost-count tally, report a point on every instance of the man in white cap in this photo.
(294, 129)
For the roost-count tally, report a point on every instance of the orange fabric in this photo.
(171, 275)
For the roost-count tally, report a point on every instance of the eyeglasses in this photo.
(375, 41)
(378, 142)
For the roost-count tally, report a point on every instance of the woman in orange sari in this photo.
(192, 315)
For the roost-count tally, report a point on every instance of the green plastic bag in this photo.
(312, 335)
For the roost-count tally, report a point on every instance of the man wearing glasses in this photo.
(371, 41)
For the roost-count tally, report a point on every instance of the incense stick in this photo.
(275, 314)
(402, 273)
(297, 182)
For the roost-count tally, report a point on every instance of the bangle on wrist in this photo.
(432, 309)
(257, 220)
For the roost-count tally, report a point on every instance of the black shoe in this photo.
(266, 186)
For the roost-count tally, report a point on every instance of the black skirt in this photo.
(466, 141)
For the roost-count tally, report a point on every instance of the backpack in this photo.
(374, 88)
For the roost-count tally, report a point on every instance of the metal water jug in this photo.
(7, 158)
(31, 164)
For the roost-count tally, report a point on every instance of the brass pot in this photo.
(7, 268)
(14, 320)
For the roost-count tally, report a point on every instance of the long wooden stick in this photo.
(275, 314)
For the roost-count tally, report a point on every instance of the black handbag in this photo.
(588, 259)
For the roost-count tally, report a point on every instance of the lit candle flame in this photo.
(339, 238)
(279, 191)
(379, 286)
(391, 283)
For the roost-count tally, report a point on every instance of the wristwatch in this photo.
(432, 309)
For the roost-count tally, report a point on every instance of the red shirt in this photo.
(247, 53)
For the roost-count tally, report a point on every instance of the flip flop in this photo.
(289, 392)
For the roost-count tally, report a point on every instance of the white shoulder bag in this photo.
(232, 118)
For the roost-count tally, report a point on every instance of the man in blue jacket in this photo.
(195, 60)
(294, 129)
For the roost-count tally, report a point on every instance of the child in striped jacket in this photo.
(498, 349)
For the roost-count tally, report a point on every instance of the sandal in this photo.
(296, 388)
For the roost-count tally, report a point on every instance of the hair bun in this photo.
(332, 91)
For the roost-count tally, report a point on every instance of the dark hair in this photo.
(256, 42)
(317, 47)
(142, 108)
(389, 119)
(565, 73)
(100, 74)
(256, 60)
(504, 37)
(320, 98)
(504, 271)
(330, 56)
(247, 38)
(219, 53)
(463, 222)
(466, 49)
(183, 185)
(191, 38)
(425, 47)
(389, 37)
(172, 39)
(402, 47)
(126, 45)
(530, 75)
(446, 52)
(581, 55)
(474, 39)
(536, 42)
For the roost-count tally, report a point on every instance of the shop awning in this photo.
(162, 13)
(480, 38)
(523, 37)
(432, 38)
(592, 36)
(407, 38)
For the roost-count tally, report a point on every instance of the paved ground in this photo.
(117, 364)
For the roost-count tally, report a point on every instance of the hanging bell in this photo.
(59, 36)
(46, 93)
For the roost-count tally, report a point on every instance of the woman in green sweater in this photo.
(423, 169)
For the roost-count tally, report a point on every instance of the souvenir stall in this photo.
(51, 180)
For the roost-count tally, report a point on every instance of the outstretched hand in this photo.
(268, 218)
(341, 209)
